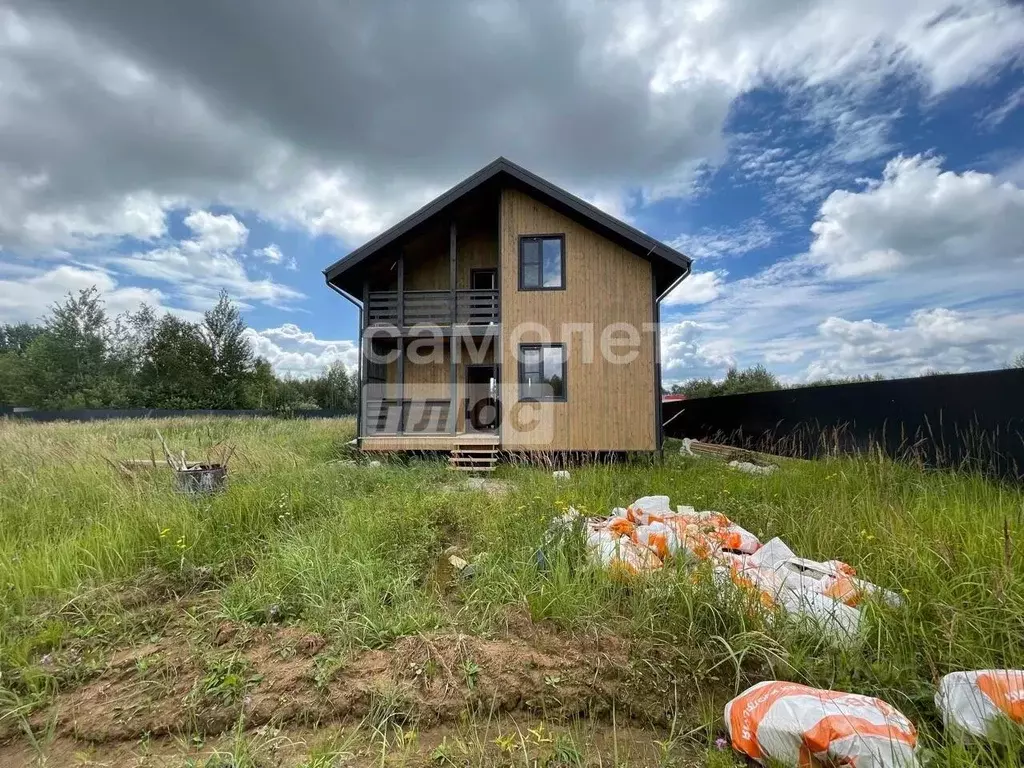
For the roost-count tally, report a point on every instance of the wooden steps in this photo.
(474, 457)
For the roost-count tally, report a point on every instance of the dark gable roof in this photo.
(670, 266)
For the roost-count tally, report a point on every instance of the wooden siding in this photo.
(426, 261)
(609, 406)
(426, 256)
(424, 442)
(475, 249)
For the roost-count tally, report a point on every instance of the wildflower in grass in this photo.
(721, 743)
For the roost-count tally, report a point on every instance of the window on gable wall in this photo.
(541, 262)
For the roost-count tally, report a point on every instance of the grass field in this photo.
(309, 616)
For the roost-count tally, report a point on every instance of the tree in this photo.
(1018, 361)
(176, 371)
(231, 355)
(736, 382)
(17, 337)
(66, 364)
(339, 389)
(77, 358)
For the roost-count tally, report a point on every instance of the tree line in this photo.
(757, 378)
(78, 357)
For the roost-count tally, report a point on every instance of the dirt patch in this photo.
(275, 676)
(503, 740)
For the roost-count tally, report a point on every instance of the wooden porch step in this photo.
(473, 457)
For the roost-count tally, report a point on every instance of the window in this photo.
(542, 372)
(483, 279)
(542, 263)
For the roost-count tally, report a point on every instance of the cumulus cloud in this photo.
(886, 264)
(295, 352)
(216, 233)
(698, 288)
(27, 295)
(919, 216)
(930, 340)
(339, 118)
(198, 268)
(690, 350)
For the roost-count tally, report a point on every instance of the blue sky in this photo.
(849, 176)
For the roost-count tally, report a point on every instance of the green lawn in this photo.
(95, 565)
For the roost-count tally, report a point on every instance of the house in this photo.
(509, 315)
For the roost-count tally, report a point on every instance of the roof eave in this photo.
(641, 241)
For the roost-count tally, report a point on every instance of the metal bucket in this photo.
(201, 480)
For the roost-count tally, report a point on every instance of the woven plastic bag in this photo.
(979, 702)
(799, 726)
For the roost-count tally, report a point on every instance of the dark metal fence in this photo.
(973, 420)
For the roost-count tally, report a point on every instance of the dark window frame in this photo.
(565, 372)
(560, 236)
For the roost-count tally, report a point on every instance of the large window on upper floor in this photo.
(542, 262)
(542, 371)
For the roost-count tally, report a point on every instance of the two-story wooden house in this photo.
(509, 315)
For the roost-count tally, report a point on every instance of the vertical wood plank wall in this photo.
(609, 406)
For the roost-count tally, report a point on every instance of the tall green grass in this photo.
(360, 554)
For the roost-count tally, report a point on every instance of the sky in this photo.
(848, 175)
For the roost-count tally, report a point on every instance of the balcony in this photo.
(471, 307)
(416, 417)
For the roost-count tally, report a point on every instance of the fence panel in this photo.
(945, 420)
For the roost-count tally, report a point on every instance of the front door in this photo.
(482, 410)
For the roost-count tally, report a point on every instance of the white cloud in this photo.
(271, 254)
(106, 125)
(686, 353)
(725, 242)
(294, 352)
(28, 295)
(930, 340)
(919, 216)
(993, 118)
(140, 216)
(698, 288)
(197, 269)
(918, 240)
(946, 45)
(216, 232)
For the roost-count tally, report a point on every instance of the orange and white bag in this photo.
(976, 702)
(657, 537)
(796, 725)
(620, 554)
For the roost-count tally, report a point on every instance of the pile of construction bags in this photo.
(641, 537)
(780, 721)
(796, 725)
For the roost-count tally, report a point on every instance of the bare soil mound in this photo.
(279, 675)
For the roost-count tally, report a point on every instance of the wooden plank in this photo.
(453, 384)
(453, 278)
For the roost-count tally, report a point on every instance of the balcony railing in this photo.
(472, 307)
(410, 417)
